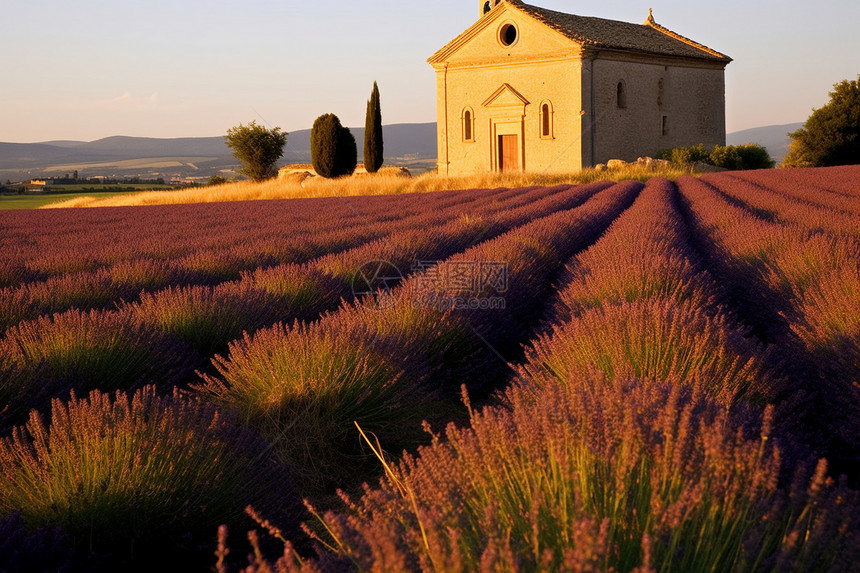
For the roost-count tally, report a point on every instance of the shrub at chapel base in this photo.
(731, 157)
(684, 155)
(753, 156)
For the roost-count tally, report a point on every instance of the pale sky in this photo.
(183, 68)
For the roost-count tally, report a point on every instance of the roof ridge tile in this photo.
(649, 37)
(653, 23)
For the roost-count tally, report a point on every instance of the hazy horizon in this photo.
(90, 70)
(58, 141)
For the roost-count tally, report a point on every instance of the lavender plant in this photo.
(124, 474)
(82, 351)
(599, 475)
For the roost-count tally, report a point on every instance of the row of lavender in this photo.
(798, 286)
(324, 374)
(39, 245)
(386, 364)
(84, 262)
(669, 410)
(634, 435)
(167, 334)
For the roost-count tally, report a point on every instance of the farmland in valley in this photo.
(628, 376)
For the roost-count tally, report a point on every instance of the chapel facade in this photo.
(531, 89)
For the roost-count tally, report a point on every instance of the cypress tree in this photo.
(373, 144)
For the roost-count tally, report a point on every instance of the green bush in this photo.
(726, 157)
(741, 157)
(347, 152)
(324, 137)
(685, 155)
(754, 156)
(732, 157)
(333, 149)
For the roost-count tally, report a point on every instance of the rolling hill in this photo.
(405, 144)
(774, 137)
(409, 144)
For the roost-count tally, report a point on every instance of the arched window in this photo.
(468, 125)
(546, 120)
(488, 5)
(621, 95)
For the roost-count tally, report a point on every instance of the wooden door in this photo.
(508, 153)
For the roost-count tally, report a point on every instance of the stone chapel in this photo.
(531, 89)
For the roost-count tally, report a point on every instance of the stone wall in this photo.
(692, 100)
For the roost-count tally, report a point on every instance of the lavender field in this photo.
(612, 376)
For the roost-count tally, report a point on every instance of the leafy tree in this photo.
(333, 149)
(831, 135)
(257, 148)
(216, 180)
(373, 144)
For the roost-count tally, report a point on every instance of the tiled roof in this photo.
(649, 38)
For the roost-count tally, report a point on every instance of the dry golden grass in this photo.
(386, 182)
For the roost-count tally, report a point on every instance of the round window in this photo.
(508, 34)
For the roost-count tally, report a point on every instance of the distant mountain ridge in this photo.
(405, 144)
(410, 141)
